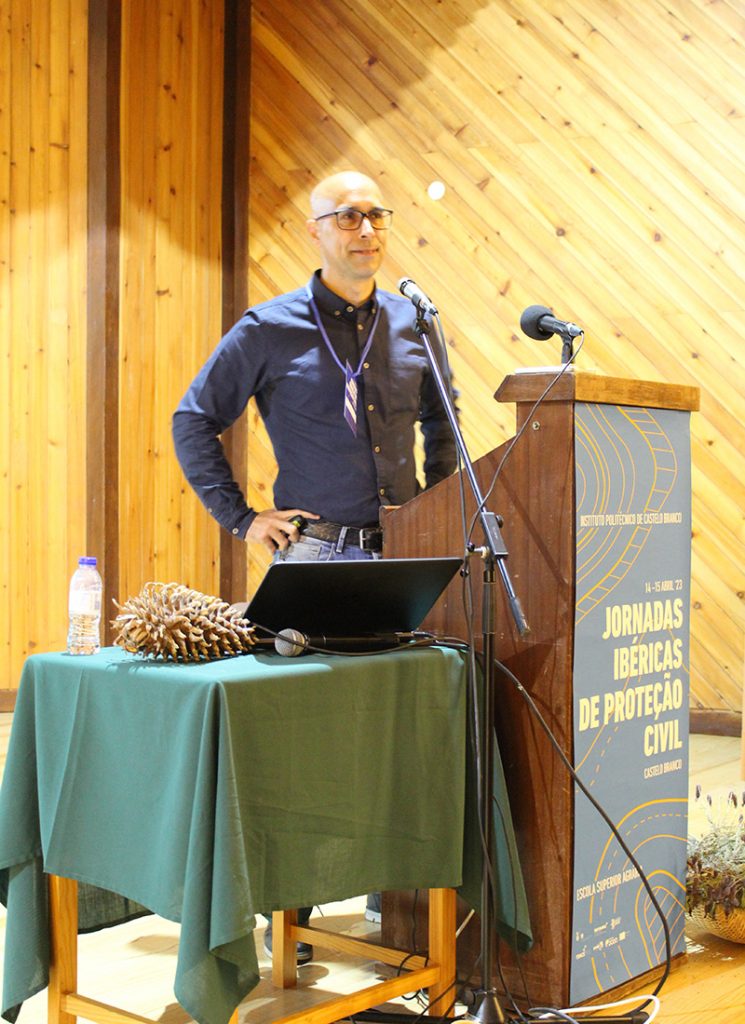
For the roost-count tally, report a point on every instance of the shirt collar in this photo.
(334, 305)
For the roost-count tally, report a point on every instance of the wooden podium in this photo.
(535, 494)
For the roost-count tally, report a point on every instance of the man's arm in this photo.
(216, 398)
(201, 455)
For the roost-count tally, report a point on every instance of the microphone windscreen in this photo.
(290, 643)
(530, 322)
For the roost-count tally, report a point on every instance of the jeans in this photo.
(309, 549)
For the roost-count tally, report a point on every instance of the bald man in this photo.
(340, 380)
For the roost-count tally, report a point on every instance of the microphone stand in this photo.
(487, 1009)
(567, 347)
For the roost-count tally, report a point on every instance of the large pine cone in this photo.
(171, 621)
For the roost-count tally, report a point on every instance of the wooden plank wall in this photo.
(169, 296)
(592, 156)
(591, 153)
(43, 96)
(170, 290)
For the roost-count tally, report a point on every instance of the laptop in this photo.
(349, 598)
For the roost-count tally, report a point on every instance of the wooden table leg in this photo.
(442, 950)
(63, 961)
(284, 949)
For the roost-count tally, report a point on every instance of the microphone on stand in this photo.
(539, 322)
(291, 642)
(413, 292)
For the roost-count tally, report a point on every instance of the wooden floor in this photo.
(133, 965)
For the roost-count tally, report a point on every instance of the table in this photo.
(209, 793)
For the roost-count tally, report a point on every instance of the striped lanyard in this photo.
(351, 390)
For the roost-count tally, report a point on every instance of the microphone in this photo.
(413, 292)
(291, 642)
(540, 323)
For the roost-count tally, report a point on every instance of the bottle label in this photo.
(85, 602)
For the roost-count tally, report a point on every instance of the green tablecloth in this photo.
(209, 793)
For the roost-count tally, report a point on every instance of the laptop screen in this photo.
(350, 598)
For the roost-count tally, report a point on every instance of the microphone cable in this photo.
(531, 704)
(514, 440)
(419, 639)
(442, 346)
(608, 821)
(565, 1015)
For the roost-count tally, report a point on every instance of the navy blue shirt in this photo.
(276, 353)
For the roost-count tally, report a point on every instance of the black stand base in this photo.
(487, 1009)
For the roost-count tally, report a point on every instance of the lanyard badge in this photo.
(351, 389)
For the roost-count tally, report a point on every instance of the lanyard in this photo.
(351, 392)
(327, 340)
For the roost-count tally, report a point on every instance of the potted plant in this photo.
(715, 874)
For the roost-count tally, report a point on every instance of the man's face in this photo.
(349, 256)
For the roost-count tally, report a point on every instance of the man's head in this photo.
(350, 258)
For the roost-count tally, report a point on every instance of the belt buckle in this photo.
(371, 538)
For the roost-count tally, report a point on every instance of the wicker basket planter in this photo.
(715, 869)
(725, 926)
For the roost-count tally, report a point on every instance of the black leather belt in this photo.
(369, 538)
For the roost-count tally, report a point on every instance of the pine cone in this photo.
(174, 622)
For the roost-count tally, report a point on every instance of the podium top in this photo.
(594, 387)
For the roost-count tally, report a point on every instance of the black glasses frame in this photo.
(378, 211)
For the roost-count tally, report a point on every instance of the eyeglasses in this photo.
(350, 219)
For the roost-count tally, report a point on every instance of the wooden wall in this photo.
(591, 153)
(43, 96)
(110, 296)
(170, 278)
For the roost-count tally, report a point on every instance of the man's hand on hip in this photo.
(274, 528)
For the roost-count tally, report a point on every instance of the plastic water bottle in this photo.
(86, 589)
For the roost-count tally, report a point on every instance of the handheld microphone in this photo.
(540, 323)
(291, 642)
(413, 292)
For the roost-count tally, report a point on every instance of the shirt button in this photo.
(235, 530)
(376, 449)
(350, 309)
(337, 312)
(365, 366)
(360, 327)
(371, 408)
(382, 490)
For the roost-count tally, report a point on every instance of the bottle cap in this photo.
(87, 560)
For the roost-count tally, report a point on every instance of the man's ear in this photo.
(312, 227)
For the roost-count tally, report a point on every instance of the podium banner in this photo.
(630, 686)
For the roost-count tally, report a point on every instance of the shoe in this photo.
(372, 910)
(304, 949)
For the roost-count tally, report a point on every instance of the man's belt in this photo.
(369, 538)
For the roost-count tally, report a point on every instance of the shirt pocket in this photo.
(404, 384)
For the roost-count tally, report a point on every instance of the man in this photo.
(340, 378)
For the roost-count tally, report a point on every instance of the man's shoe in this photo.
(372, 910)
(304, 949)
